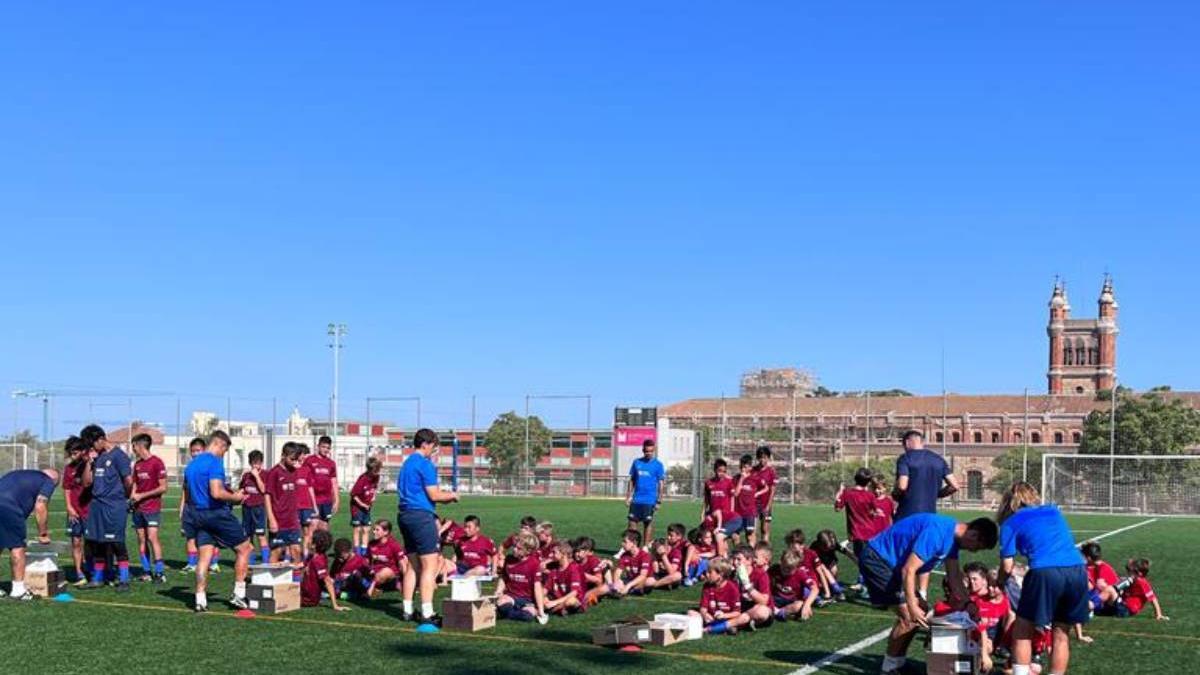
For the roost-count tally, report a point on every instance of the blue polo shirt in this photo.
(109, 472)
(1041, 534)
(416, 474)
(645, 475)
(20, 489)
(928, 535)
(203, 468)
(926, 471)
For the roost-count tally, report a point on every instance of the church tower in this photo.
(1083, 352)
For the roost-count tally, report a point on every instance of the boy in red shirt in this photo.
(323, 470)
(992, 616)
(546, 543)
(1137, 592)
(521, 596)
(633, 569)
(564, 582)
(306, 500)
(316, 575)
(527, 525)
(793, 586)
(389, 562)
(703, 548)
(351, 572)
(718, 514)
(1102, 578)
(78, 500)
(859, 504)
(758, 604)
(362, 498)
(149, 485)
(670, 556)
(765, 475)
(474, 553)
(746, 493)
(721, 600)
(283, 522)
(885, 506)
(597, 572)
(254, 509)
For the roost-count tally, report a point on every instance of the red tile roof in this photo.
(121, 435)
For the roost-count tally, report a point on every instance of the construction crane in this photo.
(48, 396)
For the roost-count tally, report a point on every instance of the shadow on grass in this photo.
(849, 665)
(184, 595)
(452, 661)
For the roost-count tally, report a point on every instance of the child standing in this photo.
(254, 509)
(362, 497)
(746, 499)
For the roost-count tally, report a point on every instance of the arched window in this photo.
(995, 436)
(975, 486)
(1076, 437)
(978, 436)
(1068, 355)
(1093, 356)
(1035, 437)
(939, 437)
(1080, 354)
(1017, 436)
(1058, 437)
(955, 437)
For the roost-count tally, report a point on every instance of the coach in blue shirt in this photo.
(212, 518)
(21, 493)
(922, 477)
(417, 491)
(646, 476)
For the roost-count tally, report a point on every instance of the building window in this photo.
(978, 436)
(1080, 356)
(975, 486)
(1076, 437)
(1017, 436)
(1079, 390)
(995, 436)
(1058, 437)
(1035, 437)
(939, 437)
(955, 437)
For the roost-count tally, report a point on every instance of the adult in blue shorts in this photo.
(892, 562)
(109, 474)
(23, 492)
(212, 518)
(417, 491)
(644, 494)
(1055, 589)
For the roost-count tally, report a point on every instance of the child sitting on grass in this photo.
(794, 587)
(1136, 592)
(721, 601)
(564, 582)
(316, 577)
(703, 549)
(521, 596)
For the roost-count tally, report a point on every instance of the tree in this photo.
(679, 479)
(1013, 464)
(1149, 424)
(506, 443)
(820, 482)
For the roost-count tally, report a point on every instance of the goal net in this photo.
(1143, 484)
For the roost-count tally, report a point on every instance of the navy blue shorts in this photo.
(420, 532)
(359, 518)
(218, 527)
(142, 521)
(731, 526)
(284, 538)
(306, 516)
(747, 524)
(641, 513)
(1095, 599)
(1117, 609)
(75, 528)
(1054, 595)
(12, 530)
(186, 523)
(106, 523)
(325, 511)
(883, 582)
(254, 520)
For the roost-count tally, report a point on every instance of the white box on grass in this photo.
(692, 624)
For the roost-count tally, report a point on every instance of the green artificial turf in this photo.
(153, 629)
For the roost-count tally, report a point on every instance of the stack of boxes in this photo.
(272, 590)
(953, 649)
(468, 609)
(42, 576)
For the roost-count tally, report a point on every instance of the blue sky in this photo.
(628, 201)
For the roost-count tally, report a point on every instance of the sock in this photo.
(98, 573)
(239, 589)
(426, 609)
(18, 589)
(123, 571)
(897, 662)
(1020, 670)
(201, 599)
(193, 558)
(718, 627)
(266, 554)
(408, 606)
(158, 567)
(216, 559)
(145, 564)
(836, 588)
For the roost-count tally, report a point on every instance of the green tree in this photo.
(679, 479)
(820, 482)
(1012, 465)
(1150, 424)
(506, 443)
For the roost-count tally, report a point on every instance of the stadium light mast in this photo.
(336, 332)
(1112, 444)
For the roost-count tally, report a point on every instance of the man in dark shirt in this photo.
(922, 477)
(21, 493)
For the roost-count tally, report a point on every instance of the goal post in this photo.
(1166, 485)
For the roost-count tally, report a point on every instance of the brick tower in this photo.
(1083, 352)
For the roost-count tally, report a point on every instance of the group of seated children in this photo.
(1122, 598)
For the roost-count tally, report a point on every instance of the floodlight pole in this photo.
(1112, 445)
(336, 332)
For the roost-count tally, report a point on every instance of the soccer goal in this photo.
(1143, 484)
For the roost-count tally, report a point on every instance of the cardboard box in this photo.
(665, 634)
(694, 625)
(617, 634)
(951, 664)
(469, 615)
(271, 574)
(275, 599)
(466, 588)
(950, 637)
(45, 584)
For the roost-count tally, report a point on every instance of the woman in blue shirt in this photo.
(417, 491)
(1055, 590)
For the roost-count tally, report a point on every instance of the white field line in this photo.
(862, 644)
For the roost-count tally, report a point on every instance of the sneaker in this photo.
(80, 582)
(93, 585)
(732, 630)
(159, 579)
(840, 597)
(543, 619)
(435, 620)
(24, 597)
(407, 617)
(823, 602)
(215, 569)
(188, 568)
(200, 609)
(781, 615)
(239, 603)
(689, 582)
(122, 588)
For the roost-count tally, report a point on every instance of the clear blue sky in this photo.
(629, 201)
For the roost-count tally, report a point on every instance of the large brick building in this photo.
(1083, 352)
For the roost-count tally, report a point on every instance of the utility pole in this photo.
(336, 332)
(1112, 445)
